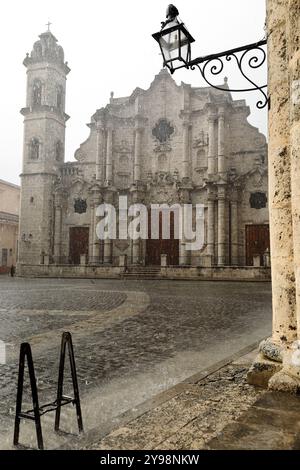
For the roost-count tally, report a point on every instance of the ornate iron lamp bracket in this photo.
(252, 55)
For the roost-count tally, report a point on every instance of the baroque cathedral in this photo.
(167, 144)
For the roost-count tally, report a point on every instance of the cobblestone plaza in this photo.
(132, 339)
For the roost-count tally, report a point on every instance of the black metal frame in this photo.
(180, 27)
(215, 64)
(61, 400)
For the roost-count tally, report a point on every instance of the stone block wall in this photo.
(283, 18)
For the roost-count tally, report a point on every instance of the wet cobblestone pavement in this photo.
(132, 339)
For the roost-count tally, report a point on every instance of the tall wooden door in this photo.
(257, 242)
(160, 246)
(79, 243)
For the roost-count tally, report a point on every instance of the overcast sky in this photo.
(109, 47)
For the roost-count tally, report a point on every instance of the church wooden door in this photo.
(79, 243)
(257, 242)
(156, 248)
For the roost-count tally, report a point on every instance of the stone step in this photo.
(140, 273)
(144, 273)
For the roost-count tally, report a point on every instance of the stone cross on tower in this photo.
(48, 25)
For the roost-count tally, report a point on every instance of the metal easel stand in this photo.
(61, 400)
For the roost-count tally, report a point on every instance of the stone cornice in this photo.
(44, 109)
(7, 217)
(30, 61)
(36, 173)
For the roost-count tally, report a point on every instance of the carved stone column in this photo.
(210, 224)
(234, 230)
(221, 225)
(94, 257)
(100, 154)
(137, 150)
(109, 155)
(57, 227)
(212, 145)
(137, 196)
(107, 252)
(136, 252)
(221, 143)
(92, 231)
(108, 244)
(284, 175)
(186, 148)
(184, 255)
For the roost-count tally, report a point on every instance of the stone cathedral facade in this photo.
(167, 144)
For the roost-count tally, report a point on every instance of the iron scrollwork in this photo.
(252, 55)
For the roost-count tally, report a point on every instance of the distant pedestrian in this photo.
(12, 270)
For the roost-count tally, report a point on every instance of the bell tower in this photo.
(43, 148)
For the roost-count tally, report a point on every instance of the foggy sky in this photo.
(108, 46)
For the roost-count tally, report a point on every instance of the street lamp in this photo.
(174, 41)
(175, 45)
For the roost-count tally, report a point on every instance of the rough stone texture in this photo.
(262, 370)
(282, 382)
(189, 420)
(283, 20)
(272, 423)
(281, 227)
(219, 412)
(167, 144)
(271, 350)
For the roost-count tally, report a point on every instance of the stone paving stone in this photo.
(221, 412)
(192, 418)
(124, 328)
(273, 422)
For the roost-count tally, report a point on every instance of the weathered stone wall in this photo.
(9, 212)
(284, 193)
(111, 272)
(9, 198)
(8, 241)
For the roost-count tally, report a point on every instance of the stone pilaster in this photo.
(221, 142)
(186, 148)
(109, 155)
(212, 145)
(234, 220)
(94, 257)
(57, 227)
(185, 198)
(109, 195)
(210, 224)
(100, 154)
(137, 149)
(221, 224)
(137, 196)
(92, 230)
(136, 255)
